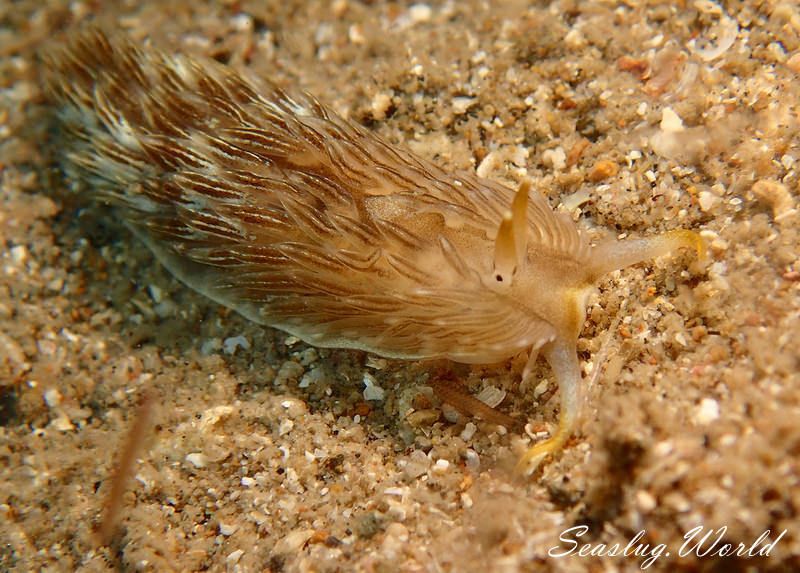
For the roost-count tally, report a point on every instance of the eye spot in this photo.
(499, 278)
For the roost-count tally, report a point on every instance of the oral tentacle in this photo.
(617, 255)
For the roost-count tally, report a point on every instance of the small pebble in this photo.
(155, 293)
(294, 407)
(396, 537)
(285, 427)
(603, 169)
(313, 377)
(289, 372)
(355, 33)
(371, 389)
(441, 466)
(234, 557)
(707, 200)
(450, 414)
(52, 397)
(416, 465)
(670, 121)
(468, 431)
(197, 459)
(62, 424)
(793, 63)
(555, 158)
(473, 460)
(396, 491)
(231, 344)
(461, 104)
(423, 418)
(489, 164)
(397, 511)
(19, 254)
(381, 102)
(707, 411)
(645, 501)
(293, 542)
(420, 13)
(210, 346)
(663, 449)
(308, 356)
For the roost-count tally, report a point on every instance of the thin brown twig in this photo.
(469, 405)
(134, 443)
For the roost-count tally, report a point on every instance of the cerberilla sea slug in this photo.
(271, 204)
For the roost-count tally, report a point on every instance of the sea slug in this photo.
(271, 204)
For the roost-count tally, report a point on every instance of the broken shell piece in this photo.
(670, 121)
(491, 396)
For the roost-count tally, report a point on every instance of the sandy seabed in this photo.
(265, 455)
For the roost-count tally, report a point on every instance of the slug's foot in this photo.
(531, 459)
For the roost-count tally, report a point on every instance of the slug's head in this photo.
(543, 264)
(539, 263)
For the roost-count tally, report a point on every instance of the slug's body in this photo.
(275, 206)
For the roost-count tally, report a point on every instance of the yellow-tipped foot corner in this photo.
(535, 455)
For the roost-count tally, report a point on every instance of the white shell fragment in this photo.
(231, 344)
(707, 411)
(372, 392)
(197, 459)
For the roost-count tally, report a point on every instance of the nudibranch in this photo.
(271, 204)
